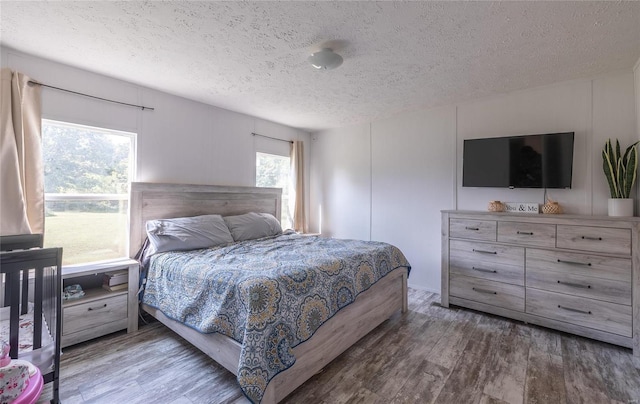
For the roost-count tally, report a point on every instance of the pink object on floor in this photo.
(33, 389)
(5, 359)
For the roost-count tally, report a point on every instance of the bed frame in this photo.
(371, 308)
(21, 256)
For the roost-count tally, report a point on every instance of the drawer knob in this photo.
(592, 238)
(492, 271)
(574, 310)
(526, 233)
(575, 285)
(485, 252)
(471, 228)
(588, 264)
(491, 292)
(97, 308)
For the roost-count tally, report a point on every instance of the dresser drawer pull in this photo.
(592, 238)
(484, 270)
(526, 233)
(574, 310)
(588, 264)
(97, 308)
(491, 292)
(485, 252)
(575, 285)
(471, 228)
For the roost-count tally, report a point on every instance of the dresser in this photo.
(573, 273)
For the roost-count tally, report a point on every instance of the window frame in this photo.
(255, 180)
(89, 197)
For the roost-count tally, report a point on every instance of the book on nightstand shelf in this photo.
(115, 278)
(115, 288)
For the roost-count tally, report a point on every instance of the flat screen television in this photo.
(531, 161)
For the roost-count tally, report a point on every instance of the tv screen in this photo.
(532, 161)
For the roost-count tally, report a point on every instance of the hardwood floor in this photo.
(429, 355)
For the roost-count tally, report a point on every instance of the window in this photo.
(273, 171)
(87, 172)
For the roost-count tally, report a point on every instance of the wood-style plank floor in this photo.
(429, 355)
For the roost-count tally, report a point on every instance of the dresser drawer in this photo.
(531, 234)
(83, 316)
(473, 229)
(614, 269)
(599, 315)
(594, 239)
(488, 261)
(591, 276)
(489, 292)
(578, 285)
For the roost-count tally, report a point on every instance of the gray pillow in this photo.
(187, 233)
(252, 225)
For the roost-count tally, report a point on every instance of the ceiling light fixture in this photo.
(325, 59)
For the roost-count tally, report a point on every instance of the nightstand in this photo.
(99, 311)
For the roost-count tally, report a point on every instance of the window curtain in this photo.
(297, 186)
(21, 165)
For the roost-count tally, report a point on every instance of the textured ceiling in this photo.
(251, 57)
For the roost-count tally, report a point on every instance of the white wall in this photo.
(409, 189)
(559, 108)
(341, 183)
(180, 141)
(613, 117)
(415, 163)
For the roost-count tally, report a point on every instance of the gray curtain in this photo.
(21, 165)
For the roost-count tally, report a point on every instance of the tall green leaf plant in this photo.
(620, 170)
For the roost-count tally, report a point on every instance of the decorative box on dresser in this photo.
(574, 273)
(99, 311)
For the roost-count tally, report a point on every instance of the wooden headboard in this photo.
(162, 201)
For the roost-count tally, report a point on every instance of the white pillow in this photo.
(253, 225)
(187, 233)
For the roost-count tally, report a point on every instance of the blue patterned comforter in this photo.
(269, 294)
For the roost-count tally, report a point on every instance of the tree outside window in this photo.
(87, 173)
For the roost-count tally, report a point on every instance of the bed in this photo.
(30, 318)
(372, 306)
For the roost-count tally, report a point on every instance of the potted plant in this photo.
(620, 171)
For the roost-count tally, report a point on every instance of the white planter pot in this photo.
(620, 207)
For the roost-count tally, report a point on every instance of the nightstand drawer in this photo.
(488, 261)
(531, 234)
(595, 239)
(489, 292)
(603, 316)
(84, 316)
(473, 229)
